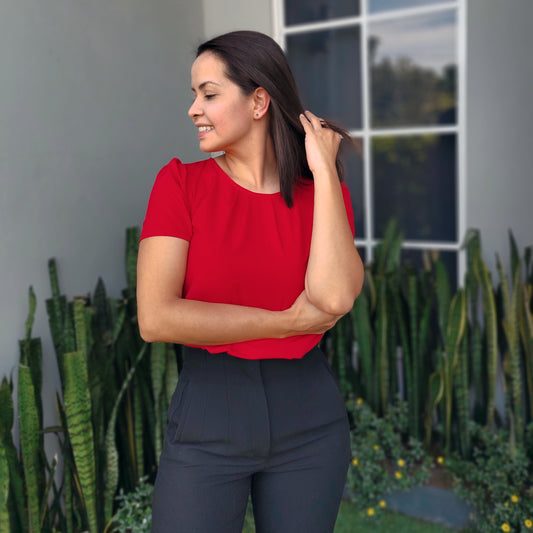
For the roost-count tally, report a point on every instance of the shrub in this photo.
(382, 460)
(134, 513)
(498, 481)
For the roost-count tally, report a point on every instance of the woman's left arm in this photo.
(335, 271)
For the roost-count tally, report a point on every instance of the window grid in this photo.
(366, 133)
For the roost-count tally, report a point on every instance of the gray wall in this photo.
(500, 123)
(221, 16)
(93, 100)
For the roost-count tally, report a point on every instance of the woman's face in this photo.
(220, 110)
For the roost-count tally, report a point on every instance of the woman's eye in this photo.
(209, 96)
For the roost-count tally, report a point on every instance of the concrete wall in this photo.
(499, 123)
(229, 15)
(93, 101)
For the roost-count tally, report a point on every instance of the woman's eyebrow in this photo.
(203, 84)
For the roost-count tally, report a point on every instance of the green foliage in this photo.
(134, 513)
(383, 459)
(4, 490)
(440, 347)
(410, 335)
(525, 314)
(104, 377)
(78, 415)
(498, 481)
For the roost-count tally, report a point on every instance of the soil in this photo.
(439, 478)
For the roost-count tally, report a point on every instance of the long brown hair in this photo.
(255, 60)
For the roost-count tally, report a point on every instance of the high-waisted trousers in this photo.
(275, 429)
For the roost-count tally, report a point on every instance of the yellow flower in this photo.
(355, 461)
(359, 401)
(376, 447)
(515, 498)
(440, 460)
(506, 527)
(401, 463)
(383, 504)
(506, 504)
(398, 474)
(370, 511)
(528, 523)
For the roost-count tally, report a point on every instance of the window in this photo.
(392, 72)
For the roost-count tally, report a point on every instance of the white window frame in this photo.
(366, 133)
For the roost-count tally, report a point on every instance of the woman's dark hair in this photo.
(253, 60)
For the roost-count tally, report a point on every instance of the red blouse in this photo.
(246, 248)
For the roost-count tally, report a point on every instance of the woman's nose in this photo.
(194, 110)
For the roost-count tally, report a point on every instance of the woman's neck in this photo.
(253, 168)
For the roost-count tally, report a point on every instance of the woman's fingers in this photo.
(316, 122)
(310, 120)
(305, 123)
(321, 142)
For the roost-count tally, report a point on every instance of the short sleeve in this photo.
(348, 206)
(168, 213)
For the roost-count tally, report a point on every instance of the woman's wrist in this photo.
(326, 173)
(286, 323)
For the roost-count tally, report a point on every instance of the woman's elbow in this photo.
(146, 331)
(149, 326)
(333, 304)
(340, 302)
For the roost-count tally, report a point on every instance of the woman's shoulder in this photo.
(178, 168)
(184, 175)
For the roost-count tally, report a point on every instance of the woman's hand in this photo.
(321, 144)
(305, 318)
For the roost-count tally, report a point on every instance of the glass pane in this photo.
(375, 6)
(362, 253)
(420, 258)
(414, 180)
(298, 11)
(327, 68)
(413, 70)
(353, 178)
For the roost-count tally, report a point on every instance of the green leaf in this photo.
(4, 490)
(362, 328)
(29, 441)
(31, 314)
(112, 472)
(491, 334)
(132, 250)
(157, 366)
(443, 290)
(78, 414)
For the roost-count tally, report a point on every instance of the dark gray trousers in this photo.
(275, 428)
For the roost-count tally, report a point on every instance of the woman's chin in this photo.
(209, 148)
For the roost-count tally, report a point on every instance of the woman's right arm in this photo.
(164, 316)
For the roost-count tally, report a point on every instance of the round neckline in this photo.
(240, 187)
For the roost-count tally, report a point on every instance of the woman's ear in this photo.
(261, 101)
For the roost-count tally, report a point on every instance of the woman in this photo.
(247, 259)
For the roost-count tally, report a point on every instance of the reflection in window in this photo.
(424, 260)
(375, 6)
(299, 11)
(326, 65)
(353, 178)
(415, 181)
(413, 63)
